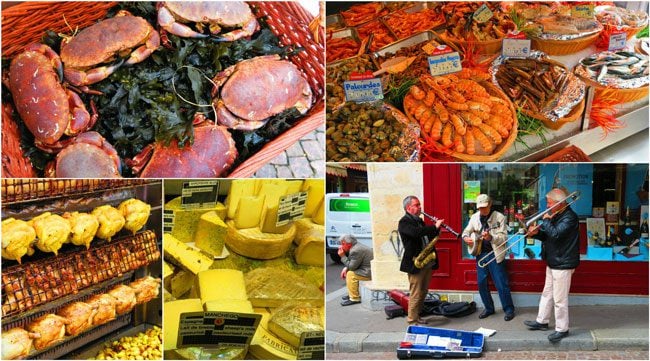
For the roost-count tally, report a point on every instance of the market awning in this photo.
(356, 166)
(336, 170)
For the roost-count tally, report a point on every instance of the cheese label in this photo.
(444, 64)
(312, 346)
(515, 48)
(482, 14)
(168, 220)
(291, 207)
(224, 329)
(367, 90)
(617, 40)
(199, 194)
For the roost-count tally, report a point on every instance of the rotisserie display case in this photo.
(81, 269)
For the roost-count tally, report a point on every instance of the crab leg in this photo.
(80, 77)
(143, 52)
(166, 21)
(226, 118)
(247, 29)
(80, 119)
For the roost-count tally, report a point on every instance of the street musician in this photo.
(487, 233)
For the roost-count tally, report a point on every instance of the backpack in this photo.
(455, 309)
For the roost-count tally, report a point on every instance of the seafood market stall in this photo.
(495, 81)
(81, 269)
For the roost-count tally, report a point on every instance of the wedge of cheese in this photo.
(267, 346)
(238, 188)
(253, 243)
(184, 255)
(168, 269)
(239, 306)
(319, 216)
(249, 211)
(290, 321)
(273, 287)
(315, 189)
(221, 284)
(294, 186)
(311, 252)
(186, 220)
(172, 316)
(305, 228)
(210, 233)
(269, 219)
(181, 282)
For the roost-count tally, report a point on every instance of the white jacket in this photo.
(498, 231)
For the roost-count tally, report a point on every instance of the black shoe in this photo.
(557, 336)
(346, 297)
(509, 316)
(349, 302)
(485, 314)
(534, 325)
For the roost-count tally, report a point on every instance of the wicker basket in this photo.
(568, 154)
(573, 115)
(489, 47)
(629, 30)
(623, 95)
(563, 47)
(26, 22)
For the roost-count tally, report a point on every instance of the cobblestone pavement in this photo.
(305, 159)
(512, 355)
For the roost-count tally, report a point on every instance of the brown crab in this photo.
(214, 14)
(101, 43)
(245, 95)
(210, 155)
(48, 109)
(89, 155)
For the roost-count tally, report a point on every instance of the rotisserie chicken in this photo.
(136, 213)
(110, 220)
(16, 343)
(84, 226)
(125, 297)
(105, 307)
(52, 231)
(17, 239)
(51, 328)
(80, 315)
(146, 289)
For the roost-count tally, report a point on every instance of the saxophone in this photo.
(427, 255)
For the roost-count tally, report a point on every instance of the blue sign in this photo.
(572, 177)
(359, 91)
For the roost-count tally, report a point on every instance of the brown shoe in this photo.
(419, 321)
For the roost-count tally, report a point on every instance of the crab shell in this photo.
(47, 108)
(88, 156)
(248, 93)
(210, 155)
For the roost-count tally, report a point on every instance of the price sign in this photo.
(199, 194)
(430, 48)
(482, 14)
(617, 40)
(361, 76)
(312, 346)
(291, 207)
(444, 64)
(209, 329)
(515, 48)
(583, 11)
(363, 90)
(168, 220)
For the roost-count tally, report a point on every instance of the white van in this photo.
(346, 213)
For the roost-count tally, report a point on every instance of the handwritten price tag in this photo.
(360, 91)
(444, 64)
(583, 11)
(617, 40)
(483, 14)
(515, 48)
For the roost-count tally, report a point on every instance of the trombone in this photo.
(556, 208)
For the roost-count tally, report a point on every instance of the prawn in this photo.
(458, 123)
(429, 98)
(446, 134)
(419, 111)
(458, 144)
(442, 111)
(490, 132)
(436, 129)
(456, 106)
(457, 97)
(471, 118)
(470, 147)
(417, 93)
(478, 106)
(483, 141)
(496, 124)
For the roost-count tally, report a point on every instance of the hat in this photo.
(483, 200)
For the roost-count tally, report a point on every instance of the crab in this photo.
(246, 94)
(48, 109)
(216, 14)
(122, 36)
(89, 155)
(210, 155)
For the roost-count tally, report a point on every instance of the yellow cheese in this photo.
(167, 296)
(181, 282)
(269, 220)
(210, 233)
(251, 242)
(319, 216)
(311, 252)
(168, 269)
(310, 182)
(221, 284)
(266, 346)
(248, 211)
(306, 228)
(187, 220)
(238, 188)
(239, 306)
(172, 316)
(273, 287)
(293, 186)
(184, 255)
(315, 194)
(290, 321)
(272, 192)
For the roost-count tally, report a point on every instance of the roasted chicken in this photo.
(125, 298)
(16, 343)
(80, 315)
(17, 239)
(136, 213)
(110, 220)
(104, 304)
(84, 226)
(52, 231)
(50, 327)
(146, 289)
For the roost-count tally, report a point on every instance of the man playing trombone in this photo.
(486, 236)
(561, 251)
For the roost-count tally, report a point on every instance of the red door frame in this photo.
(443, 199)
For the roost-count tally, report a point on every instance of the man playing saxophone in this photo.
(413, 231)
(487, 232)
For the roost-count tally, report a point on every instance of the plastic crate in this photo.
(431, 342)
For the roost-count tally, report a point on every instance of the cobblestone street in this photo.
(305, 159)
(512, 355)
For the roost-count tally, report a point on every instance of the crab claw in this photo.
(51, 55)
(167, 21)
(81, 78)
(248, 29)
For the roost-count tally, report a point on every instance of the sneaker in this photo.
(349, 302)
(534, 325)
(509, 316)
(557, 336)
(346, 297)
(485, 314)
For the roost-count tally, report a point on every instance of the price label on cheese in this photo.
(168, 220)
(210, 329)
(617, 40)
(312, 346)
(199, 194)
(515, 48)
(367, 90)
(291, 207)
(482, 14)
(583, 11)
(444, 64)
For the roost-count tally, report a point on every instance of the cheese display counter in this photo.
(250, 252)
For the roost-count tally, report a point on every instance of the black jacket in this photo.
(560, 241)
(411, 230)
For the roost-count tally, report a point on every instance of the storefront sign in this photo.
(312, 346)
(367, 90)
(482, 14)
(515, 45)
(572, 177)
(446, 62)
(471, 190)
(617, 40)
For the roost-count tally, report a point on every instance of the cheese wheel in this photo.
(253, 243)
(305, 228)
(311, 252)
